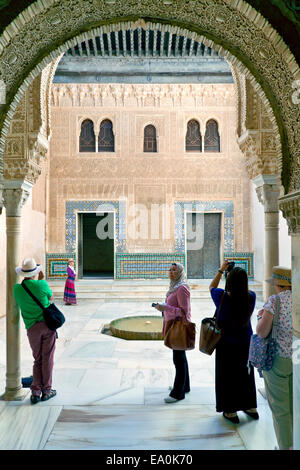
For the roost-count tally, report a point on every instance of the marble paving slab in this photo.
(94, 427)
(88, 350)
(258, 435)
(26, 427)
(127, 396)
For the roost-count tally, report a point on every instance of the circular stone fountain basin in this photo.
(143, 327)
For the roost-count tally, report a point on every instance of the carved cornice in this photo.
(290, 207)
(142, 95)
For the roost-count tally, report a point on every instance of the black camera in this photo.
(229, 268)
(154, 304)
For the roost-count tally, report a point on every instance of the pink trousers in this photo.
(42, 343)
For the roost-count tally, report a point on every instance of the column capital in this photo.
(290, 207)
(15, 194)
(261, 179)
(268, 191)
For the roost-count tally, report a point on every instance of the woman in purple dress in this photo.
(69, 293)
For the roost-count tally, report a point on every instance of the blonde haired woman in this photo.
(177, 304)
(279, 380)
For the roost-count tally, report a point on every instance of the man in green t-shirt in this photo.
(41, 338)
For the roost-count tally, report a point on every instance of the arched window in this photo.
(212, 137)
(106, 138)
(193, 139)
(87, 141)
(150, 142)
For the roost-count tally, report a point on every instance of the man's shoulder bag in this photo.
(53, 317)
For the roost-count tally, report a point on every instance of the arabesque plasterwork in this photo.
(28, 138)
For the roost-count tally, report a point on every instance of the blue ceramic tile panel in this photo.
(56, 265)
(243, 260)
(145, 265)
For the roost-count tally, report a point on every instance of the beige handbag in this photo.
(210, 333)
(180, 334)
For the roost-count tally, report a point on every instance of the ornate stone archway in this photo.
(41, 32)
(238, 32)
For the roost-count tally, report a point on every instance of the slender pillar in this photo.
(290, 206)
(267, 190)
(14, 199)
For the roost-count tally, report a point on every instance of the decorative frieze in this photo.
(100, 95)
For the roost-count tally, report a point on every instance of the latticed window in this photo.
(193, 140)
(212, 137)
(150, 141)
(87, 141)
(106, 138)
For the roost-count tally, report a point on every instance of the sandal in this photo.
(35, 399)
(48, 395)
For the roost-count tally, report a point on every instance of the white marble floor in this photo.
(110, 393)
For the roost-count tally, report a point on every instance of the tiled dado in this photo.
(226, 207)
(145, 265)
(242, 260)
(56, 265)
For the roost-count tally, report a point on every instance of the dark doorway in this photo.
(96, 245)
(203, 262)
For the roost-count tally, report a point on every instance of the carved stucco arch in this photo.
(109, 117)
(48, 27)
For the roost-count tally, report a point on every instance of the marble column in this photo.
(290, 206)
(1, 194)
(15, 195)
(268, 191)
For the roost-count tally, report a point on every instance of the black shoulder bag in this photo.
(53, 317)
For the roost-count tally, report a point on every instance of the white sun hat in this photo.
(29, 268)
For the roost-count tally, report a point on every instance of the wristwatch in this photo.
(220, 271)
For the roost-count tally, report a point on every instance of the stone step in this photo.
(138, 290)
